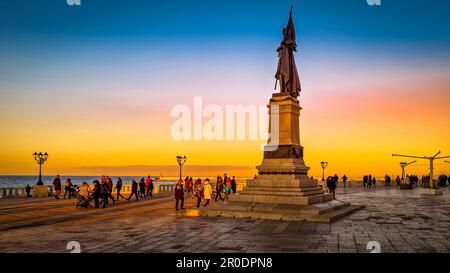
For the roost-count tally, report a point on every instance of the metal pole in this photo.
(180, 171)
(40, 175)
(323, 174)
(431, 173)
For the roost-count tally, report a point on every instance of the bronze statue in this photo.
(287, 73)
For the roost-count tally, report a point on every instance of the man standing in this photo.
(97, 193)
(233, 184)
(28, 190)
(57, 186)
(344, 179)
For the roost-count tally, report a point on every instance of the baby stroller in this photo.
(83, 202)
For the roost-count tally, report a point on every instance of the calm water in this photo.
(20, 181)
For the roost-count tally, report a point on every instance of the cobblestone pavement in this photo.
(401, 221)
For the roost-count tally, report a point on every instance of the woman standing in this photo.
(179, 194)
(207, 193)
(198, 191)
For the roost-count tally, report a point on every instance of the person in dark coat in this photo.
(28, 190)
(150, 188)
(179, 194)
(331, 184)
(134, 190)
(233, 184)
(142, 187)
(119, 188)
(57, 186)
(344, 180)
(96, 193)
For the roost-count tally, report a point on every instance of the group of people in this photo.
(100, 192)
(204, 190)
(444, 180)
(369, 182)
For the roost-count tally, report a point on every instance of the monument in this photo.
(283, 189)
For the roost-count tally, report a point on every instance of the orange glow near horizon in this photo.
(356, 134)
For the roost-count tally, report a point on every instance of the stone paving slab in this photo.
(401, 221)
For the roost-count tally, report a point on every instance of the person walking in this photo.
(67, 188)
(57, 186)
(96, 193)
(119, 188)
(198, 191)
(179, 194)
(207, 192)
(374, 182)
(344, 180)
(142, 187)
(110, 189)
(227, 188)
(331, 184)
(104, 192)
(219, 189)
(134, 190)
(150, 187)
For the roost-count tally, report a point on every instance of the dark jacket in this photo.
(179, 191)
(57, 184)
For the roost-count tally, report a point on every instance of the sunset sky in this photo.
(94, 85)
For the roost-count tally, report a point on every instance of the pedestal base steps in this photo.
(280, 197)
(432, 192)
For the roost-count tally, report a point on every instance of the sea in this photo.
(10, 181)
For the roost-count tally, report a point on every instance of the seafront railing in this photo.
(166, 187)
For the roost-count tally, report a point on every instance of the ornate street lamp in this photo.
(181, 160)
(324, 165)
(40, 159)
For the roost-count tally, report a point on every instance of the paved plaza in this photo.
(401, 221)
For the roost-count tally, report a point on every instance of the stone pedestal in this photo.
(283, 189)
(432, 192)
(40, 191)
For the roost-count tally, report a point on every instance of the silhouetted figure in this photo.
(233, 184)
(219, 188)
(344, 180)
(331, 184)
(179, 194)
(119, 188)
(57, 186)
(134, 190)
(28, 190)
(96, 193)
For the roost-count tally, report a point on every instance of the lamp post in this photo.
(181, 160)
(431, 159)
(40, 159)
(403, 165)
(324, 165)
